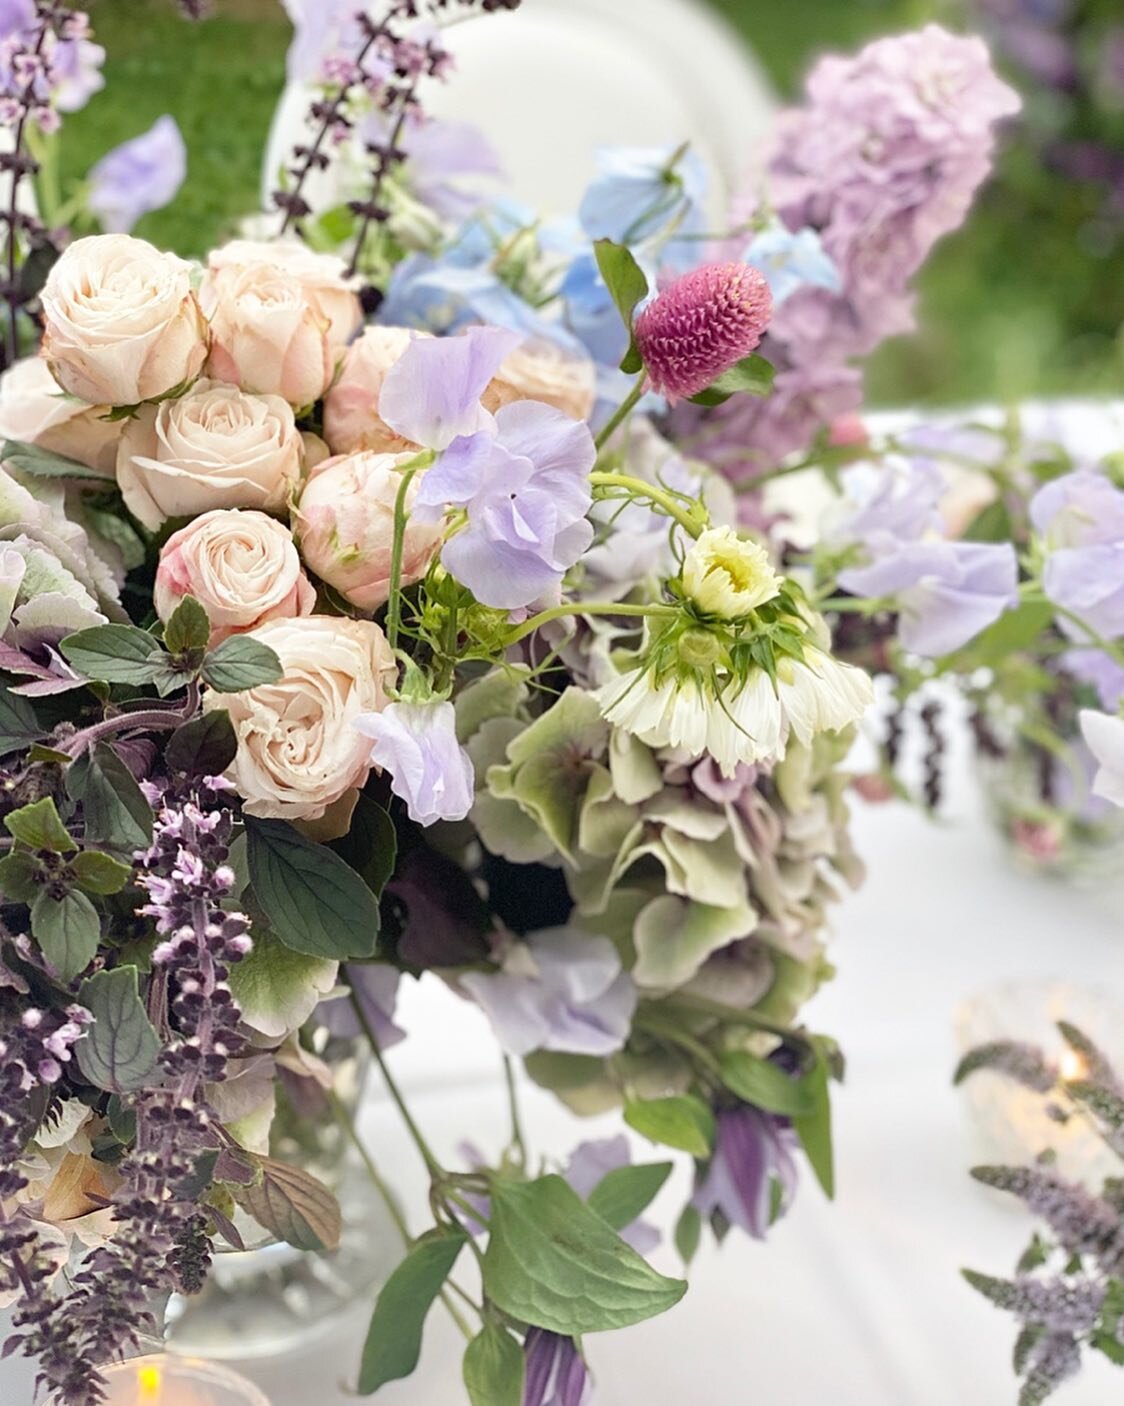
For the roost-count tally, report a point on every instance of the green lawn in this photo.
(1014, 305)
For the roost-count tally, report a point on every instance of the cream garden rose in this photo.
(298, 751)
(322, 276)
(240, 565)
(351, 408)
(121, 323)
(279, 319)
(214, 447)
(35, 410)
(345, 524)
(542, 370)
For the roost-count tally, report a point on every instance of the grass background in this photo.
(1018, 303)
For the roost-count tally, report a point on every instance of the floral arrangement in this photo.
(1067, 1292)
(371, 604)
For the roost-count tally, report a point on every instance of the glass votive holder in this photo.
(1013, 1124)
(166, 1380)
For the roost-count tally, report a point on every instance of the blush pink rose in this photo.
(34, 410)
(267, 336)
(542, 370)
(299, 752)
(345, 526)
(121, 323)
(214, 447)
(241, 566)
(322, 276)
(351, 408)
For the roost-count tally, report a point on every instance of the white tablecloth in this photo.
(854, 1304)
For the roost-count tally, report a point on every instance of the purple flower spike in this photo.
(753, 1150)
(429, 769)
(527, 493)
(700, 326)
(138, 176)
(947, 592)
(431, 395)
(556, 1374)
(559, 990)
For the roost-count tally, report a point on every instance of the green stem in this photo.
(436, 1171)
(660, 498)
(394, 599)
(622, 412)
(517, 1140)
(560, 612)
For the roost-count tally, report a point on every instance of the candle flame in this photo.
(1074, 1066)
(149, 1380)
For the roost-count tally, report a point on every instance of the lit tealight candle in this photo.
(177, 1381)
(1073, 1066)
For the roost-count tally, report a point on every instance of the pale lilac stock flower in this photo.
(1105, 736)
(559, 989)
(526, 492)
(946, 592)
(138, 176)
(753, 1151)
(429, 769)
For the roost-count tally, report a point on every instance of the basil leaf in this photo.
(19, 727)
(116, 654)
(39, 826)
(67, 930)
(239, 663)
(206, 746)
(187, 627)
(370, 845)
(100, 873)
(120, 1050)
(314, 901)
(114, 808)
(291, 1204)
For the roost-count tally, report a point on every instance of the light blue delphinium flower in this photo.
(791, 261)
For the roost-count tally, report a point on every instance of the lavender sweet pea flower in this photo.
(1081, 509)
(526, 491)
(1099, 671)
(791, 261)
(753, 1151)
(1105, 736)
(947, 592)
(887, 505)
(589, 1163)
(446, 161)
(1089, 582)
(431, 394)
(555, 1373)
(429, 769)
(138, 176)
(560, 989)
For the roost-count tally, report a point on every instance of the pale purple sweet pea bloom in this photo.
(1081, 509)
(946, 592)
(138, 176)
(1089, 582)
(429, 769)
(446, 160)
(375, 985)
(431, 394)
(588, 1165)
(559, 989)
(1105, 736)
(887, 505)
(753, 1150)
(526, 491)
(555, 1372)
(1099, 671)
(791, 260)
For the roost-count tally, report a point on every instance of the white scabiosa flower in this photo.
(727, 576)
(819, 694)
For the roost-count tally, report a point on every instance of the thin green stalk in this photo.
(394, 599)
(660, 498)
(434, 1167)
(622, 412)
(518, 1142)
(559, 612)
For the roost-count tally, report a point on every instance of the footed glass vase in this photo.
(270, 1297)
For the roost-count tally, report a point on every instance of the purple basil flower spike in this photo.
(431, 394)
(753, 1150)
(429, 769)
(138, 176)
(556, 1374)
(947, 592)
(526, 491)
(588, 1164)
(559, 989)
